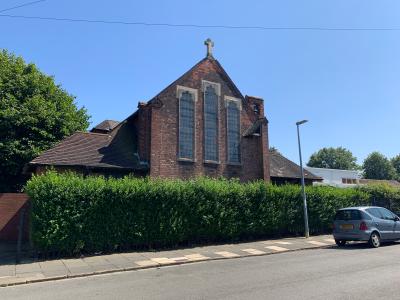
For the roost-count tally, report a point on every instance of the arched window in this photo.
(210, 124)
(233, 128)
(186, 125)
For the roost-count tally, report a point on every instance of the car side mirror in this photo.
(396, 219)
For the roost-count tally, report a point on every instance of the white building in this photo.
(334, 177)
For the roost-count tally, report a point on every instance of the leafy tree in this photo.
(396, 164)
(377, 166)
(35, 113)
(333, 158)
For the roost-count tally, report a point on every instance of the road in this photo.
(354, 272)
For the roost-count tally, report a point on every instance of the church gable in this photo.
(199, 128)
(208, 69)
(200, 125)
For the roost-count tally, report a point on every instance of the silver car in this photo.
(368, 223)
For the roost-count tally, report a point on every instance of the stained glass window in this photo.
(186, 125)
(210, 124)
(233, 120)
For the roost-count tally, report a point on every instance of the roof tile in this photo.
(282, 167)
(89, 149)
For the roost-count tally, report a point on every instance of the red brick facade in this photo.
(11, 206)
(158, 125)
(147, 142)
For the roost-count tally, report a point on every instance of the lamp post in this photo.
(306, 230)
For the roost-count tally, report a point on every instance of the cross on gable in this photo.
(210, 44)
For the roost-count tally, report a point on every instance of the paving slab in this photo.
(28, 268)
(7, 270)
(147, 263)
(163, 260)
(120, 261)
(98, 264)
(74, 263)
(79, 271)
(133, 256)
(52, 265)
(197, 257)
(55, 273)
(253, 251)
(7, 281)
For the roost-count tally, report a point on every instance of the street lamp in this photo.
(306, 230)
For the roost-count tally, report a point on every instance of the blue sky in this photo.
(347, 83)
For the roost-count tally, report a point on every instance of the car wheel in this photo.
(340, 243)
(375, 240)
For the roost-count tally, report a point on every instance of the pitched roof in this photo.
(87, 149)
(253, 129)
(216, 63)
(156, 101)
(282, 167)
(105, 126)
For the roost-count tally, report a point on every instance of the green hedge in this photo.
(71, 214)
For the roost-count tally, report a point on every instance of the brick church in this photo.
(199, 125)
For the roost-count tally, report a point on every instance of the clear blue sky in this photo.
(347, 83)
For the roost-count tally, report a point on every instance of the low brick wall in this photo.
(11, 206)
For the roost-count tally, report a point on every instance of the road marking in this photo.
(283, 243)
(316, 243)
(180, 259)
(146, 263)
(227, 254)
(162, 260)
(196, 256)
(277, 248)
(329, 240)
(254, 251)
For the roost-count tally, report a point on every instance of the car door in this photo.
(396, 227)
(385, 228)
(396, 222)
(389, 222)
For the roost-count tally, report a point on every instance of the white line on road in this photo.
(227, 254)
(146, 263)
(283, 243)
(180, 259)
(316, 243)
(277, 248)
(329, 240)
(162, 260)
(254, 251)
(196, 256)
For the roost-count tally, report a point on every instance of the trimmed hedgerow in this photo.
(72, 214)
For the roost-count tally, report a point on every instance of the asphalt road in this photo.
(354, 272)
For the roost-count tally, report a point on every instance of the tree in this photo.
(333, 158)
(396, 165)
(377, 166)
(35, 113)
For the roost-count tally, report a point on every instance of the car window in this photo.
(348, 214)
(365, 216)
(387, 215)
(375, 212)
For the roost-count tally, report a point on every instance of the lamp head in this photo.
(301, 122)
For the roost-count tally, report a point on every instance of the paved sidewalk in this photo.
(29, 271)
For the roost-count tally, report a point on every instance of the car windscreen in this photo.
(347, 215)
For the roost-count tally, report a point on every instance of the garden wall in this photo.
(11, 207)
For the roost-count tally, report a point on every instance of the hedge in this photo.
(73, 214)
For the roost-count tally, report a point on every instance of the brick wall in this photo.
(142, 124)
(11, 205)
(164, 131)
